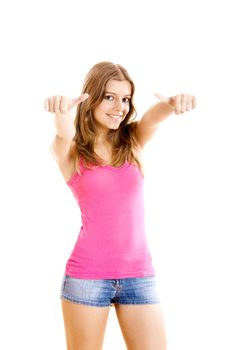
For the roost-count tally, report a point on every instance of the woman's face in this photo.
(114, 106)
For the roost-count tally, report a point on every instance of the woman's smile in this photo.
(115, 116)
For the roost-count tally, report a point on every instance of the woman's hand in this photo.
(179, 103)
(62, 104)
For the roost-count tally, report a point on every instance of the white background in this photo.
(169, 47)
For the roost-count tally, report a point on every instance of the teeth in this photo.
(115, 116)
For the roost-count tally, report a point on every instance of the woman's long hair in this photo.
(123, 140)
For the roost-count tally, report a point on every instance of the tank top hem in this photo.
(111, 275)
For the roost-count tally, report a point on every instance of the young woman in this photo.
(99, 155)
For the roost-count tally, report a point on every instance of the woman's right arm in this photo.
(61, 107)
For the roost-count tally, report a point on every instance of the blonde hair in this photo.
(123, 140)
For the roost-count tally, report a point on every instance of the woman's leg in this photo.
(84, 325)
(142, 326)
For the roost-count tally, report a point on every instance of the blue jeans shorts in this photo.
(106, 292)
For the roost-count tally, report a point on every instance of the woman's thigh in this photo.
(84, 325)
(142, 326)
(85, 306)
(139, 313)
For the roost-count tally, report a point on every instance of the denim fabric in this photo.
(106, 292)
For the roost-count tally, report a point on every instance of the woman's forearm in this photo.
(158, 113)
(64, 125)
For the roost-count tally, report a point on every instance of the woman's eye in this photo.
(111, 98)
(108, 97)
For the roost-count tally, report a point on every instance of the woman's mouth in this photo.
(115, 116)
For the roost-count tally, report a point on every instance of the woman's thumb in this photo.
(79, 99)
(161, 97)
(167, 100)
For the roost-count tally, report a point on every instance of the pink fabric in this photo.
(111, 242)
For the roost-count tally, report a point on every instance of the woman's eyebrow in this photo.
(113, 93)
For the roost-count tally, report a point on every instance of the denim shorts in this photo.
(106, 292)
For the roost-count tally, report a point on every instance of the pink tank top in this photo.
(112, 242)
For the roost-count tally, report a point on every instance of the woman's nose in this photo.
(119, 105)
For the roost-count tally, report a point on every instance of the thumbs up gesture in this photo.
(62, 104)
(179, 103)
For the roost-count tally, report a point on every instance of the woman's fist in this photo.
(179, 103)
(62, 104)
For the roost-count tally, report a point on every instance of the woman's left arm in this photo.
(149, 123)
